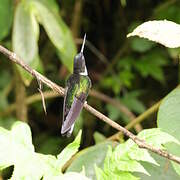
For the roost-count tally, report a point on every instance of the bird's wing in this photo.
(71, 108)
(73, 104)
(72, 115)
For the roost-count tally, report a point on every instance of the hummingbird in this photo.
(76, 92)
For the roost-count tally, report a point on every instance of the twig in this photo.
(42, 95)
(20, 94)
(141, 143)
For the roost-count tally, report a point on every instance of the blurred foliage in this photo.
(6, 15)
(137, 72)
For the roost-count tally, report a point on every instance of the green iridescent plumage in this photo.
(77, 85)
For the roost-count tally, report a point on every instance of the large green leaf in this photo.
(5, 149)
(6, 14)
(164, 171)
(88, 157)
(168, 120)
(119, 160)
(17, 149)
(57, 31)
(156, 137)
(69, 151)
(98, 137)
(25, 37)
(169, 114)
(67, 176)
(101, 175)
(52, 5)
(128, 157)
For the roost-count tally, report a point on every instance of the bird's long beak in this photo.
(84, 40)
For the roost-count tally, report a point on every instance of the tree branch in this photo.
(140, 142)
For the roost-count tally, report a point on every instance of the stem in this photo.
(20, 91)
(140, 142)
(75, 26)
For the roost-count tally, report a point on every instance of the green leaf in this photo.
(131, 166)
(101, 175)
(171, 12)
(57, 31)
(113, 113)
(112, 82)
(15, 144)
(151, 65)
(174, 53)
(67, 176)
(48, 144)
(52, 5)
(159, 31)
(168, 114)
(17, 149)
(129, 158)
(125, 63)
(88, 157)
(3, 101)
(141, 155)
(120, 160)
(21, 134)
(7, 122)
(126, 77)
(25, 37)
(78, 125)
(6, 15)
(5, 77)
(174, 149)
(69, 151)
(5, 149)
(164, 171)
(141, 45)
(168, 120)
(157, 137)
(132, 102)
(98, 137)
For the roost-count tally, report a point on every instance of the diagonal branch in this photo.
(140, 142)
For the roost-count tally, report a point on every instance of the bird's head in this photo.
(79, 61)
